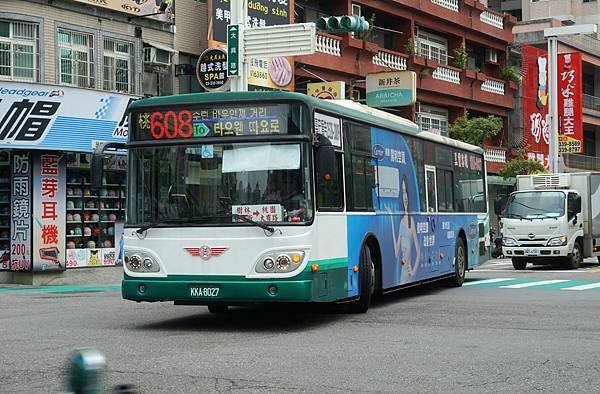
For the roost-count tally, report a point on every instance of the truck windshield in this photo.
(220, 183)
(535, 205)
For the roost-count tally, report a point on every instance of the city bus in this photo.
(262, 197)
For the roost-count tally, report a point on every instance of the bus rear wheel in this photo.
(218, 308)
(460, 265)
(366, 274)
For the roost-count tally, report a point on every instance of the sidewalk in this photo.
(95, 277)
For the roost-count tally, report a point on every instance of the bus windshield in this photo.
(213, 184)
(535, 205)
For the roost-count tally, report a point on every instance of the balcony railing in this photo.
(329, 45)
(591, 102)
(493, 86)
(495, 154)
(492, 19)
(390, 60)
(446, 74)
(449, 4)
(582, 162)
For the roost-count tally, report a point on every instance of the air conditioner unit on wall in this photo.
(157, 56)
(491, 55)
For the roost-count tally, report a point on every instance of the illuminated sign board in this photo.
(217, 121)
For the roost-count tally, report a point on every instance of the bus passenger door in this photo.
(429, 250)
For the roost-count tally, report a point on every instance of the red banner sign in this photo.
(570, 117)
(536, 125)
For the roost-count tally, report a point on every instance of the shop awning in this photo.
(498, 180)
(159, 45)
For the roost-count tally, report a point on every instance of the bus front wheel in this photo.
(460, 264)
(366, 274)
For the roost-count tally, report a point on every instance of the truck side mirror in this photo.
(96, 171)
(498, 205)
(325, 157)
(577, 205)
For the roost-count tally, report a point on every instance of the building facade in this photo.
(68, 70)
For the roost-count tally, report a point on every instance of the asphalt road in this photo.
(504, 335)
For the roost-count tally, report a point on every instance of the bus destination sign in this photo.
(194, 123)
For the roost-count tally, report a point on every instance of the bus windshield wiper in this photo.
(173, 221)
(516, 215)
(248, 220)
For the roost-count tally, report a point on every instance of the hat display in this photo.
(86, 216)
(96, 231)
(112, 217)
(69, 217)
(91, 244)
(87, 231)
(95, 217)
(69, 191)
(111, 193)
(111, 231)
(87, 191)
(78, 204)
(90, 204)
(107, 243)
(77, 230)
(71, 245)
(103, 192)
(77, 217)
(70, 204)
(77, 191)
(104, 217)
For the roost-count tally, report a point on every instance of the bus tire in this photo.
(519, 264)
(218, 308)
(366, 275)
(460, 264)
(575, 259)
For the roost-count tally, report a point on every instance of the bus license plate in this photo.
(532, 251)
(204, 291)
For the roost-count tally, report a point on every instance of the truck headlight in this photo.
(557, 241)
(509, 242)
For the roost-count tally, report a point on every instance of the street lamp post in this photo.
(552, 34)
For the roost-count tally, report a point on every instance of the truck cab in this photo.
(549, 220)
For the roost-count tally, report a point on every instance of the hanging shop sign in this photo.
(391, 89)
(536, 121)
(211, 69)
(48, 117)
(145, 8)
(49, 214)
(275, 73)
(570, 108)
(335, 90)
(20, 212)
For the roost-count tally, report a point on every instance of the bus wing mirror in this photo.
(325, 158)
(498, 205)
(96, 171)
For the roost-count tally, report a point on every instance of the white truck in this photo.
(552, 218)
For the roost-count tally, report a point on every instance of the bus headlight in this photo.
(279, 262)
(141, 263)
(509, 242)
(557, 241)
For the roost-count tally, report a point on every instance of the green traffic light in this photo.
(342, 24)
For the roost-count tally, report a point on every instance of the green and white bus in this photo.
(261, 197)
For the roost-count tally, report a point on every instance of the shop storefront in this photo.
(50, 218)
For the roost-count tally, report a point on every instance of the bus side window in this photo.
(329, 193)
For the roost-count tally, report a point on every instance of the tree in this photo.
(475, 130)
(519, 165)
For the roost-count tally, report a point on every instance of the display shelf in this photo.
(78, 236)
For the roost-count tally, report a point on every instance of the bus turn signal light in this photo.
(355, 268)
(403, 261)
(314, 267)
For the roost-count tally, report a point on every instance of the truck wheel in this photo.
(460, 265)
(366, 278)
(574, 261)
(598, 259)
(519, 264)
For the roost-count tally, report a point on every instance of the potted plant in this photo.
(510, 74)
(460, 56)
(471, 72)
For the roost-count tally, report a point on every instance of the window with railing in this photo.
(118, 66)
(433, 119)
(19, 51)
(432, 47)
(76, 58)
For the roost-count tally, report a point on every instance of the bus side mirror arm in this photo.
(97, 167)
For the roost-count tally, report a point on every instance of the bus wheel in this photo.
(574, 261)
(519, 264)
(218, 308)
(366, 275)
(460, 264)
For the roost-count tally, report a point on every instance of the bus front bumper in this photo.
(224, 291)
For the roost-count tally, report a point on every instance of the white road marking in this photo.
(479, 282)
(531, 284)
(582, 287)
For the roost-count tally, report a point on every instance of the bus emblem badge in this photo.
(205, 252)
